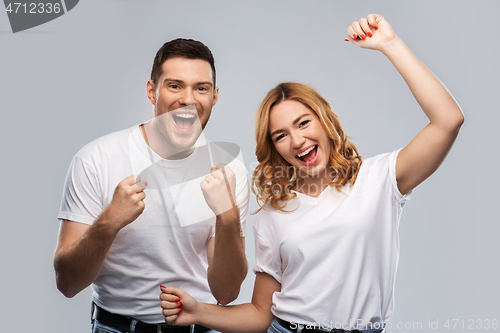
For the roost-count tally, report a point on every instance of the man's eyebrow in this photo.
(205, 82)
(180, 81)
(172, 80)
(294, 123)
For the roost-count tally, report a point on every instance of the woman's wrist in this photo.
(393, 47)
(200, 313)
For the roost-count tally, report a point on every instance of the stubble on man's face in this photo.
(164, 124)
(184, 97)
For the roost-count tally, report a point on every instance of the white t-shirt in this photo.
(336, 255)
(167, 243)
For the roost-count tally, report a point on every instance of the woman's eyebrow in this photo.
(299, 118)
(294, 123)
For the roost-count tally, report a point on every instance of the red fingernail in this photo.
(179, 305)
(363, 37)
(177, 299)
(369, 34)
(346, 40)
(162, 286)
(354, 36)
(376, 28)
(180, 309)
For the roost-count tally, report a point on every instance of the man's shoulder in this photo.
(106, 144)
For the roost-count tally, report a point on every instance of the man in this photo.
(127, 245)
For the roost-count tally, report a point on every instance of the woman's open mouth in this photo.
(308, 156)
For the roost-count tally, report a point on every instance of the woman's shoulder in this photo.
(270, 216)
(379, 162)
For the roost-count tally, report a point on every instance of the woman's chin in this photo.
(316, 171)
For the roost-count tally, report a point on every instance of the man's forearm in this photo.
(229, 264)
(78, 265)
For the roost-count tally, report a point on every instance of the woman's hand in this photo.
(178, 306)
(372, 32)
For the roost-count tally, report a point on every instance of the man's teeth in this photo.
(185, 115)
(305, 152)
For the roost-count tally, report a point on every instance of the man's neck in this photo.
(160, 146)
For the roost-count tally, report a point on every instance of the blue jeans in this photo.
(98, 327)
(275, 327)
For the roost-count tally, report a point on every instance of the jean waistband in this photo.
(125, 323)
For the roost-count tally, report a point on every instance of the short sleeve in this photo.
(392, 176)
(242, 193)
(80, 201)
(266, 258)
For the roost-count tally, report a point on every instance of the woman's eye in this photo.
(305, 122)
(279, 137)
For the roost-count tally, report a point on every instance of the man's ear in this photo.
(150, 90)
(216, 95)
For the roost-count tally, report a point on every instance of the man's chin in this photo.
(183, 145)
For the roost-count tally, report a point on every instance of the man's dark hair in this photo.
(181, 47)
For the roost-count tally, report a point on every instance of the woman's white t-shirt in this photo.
(335, 255)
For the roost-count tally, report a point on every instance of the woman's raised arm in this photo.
(425, 153)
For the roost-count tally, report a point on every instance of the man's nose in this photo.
(187, 97)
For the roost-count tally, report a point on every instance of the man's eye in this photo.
(203, 89)
(174, 86)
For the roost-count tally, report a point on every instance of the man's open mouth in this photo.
(185, 120)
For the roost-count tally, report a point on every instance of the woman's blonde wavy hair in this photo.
(271, 180)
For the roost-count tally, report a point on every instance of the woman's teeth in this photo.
(305, 152)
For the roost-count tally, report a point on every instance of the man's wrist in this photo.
(230, 215)
(230, 220)
(105, 226)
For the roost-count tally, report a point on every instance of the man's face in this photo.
(187, 84)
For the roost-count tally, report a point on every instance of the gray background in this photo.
(84, 74)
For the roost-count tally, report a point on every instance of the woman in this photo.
(327, 231)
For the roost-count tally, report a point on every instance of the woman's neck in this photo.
(314, 185)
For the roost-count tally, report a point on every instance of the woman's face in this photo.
(299, 138)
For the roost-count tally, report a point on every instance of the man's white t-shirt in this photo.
(335, 255)
(167, 243)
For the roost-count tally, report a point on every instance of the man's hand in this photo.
(218, 189)
(179, 308)
(127, 203)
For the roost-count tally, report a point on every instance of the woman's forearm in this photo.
(242, 318)
(432, 96)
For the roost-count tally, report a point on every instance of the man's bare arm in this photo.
(226, 258)
(80, 253)
(81, 249)
(227, 264)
